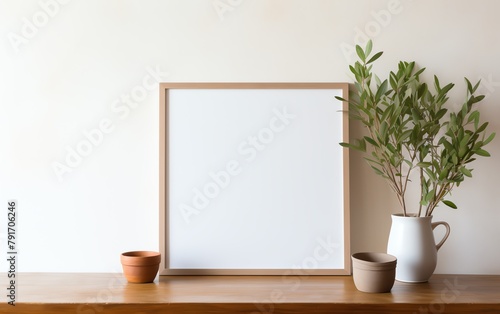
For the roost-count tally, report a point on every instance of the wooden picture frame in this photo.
(253, 180)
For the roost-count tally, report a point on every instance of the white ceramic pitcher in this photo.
(411, 240)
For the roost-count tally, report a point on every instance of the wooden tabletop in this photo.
(110, 293)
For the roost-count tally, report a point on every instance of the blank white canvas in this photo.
(280, 205)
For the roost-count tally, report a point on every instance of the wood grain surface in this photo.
(110, 293)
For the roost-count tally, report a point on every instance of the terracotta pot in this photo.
(373, 272)
(140, 266)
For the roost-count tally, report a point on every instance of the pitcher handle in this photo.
(447, 226)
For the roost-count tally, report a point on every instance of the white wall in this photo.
(68, 75)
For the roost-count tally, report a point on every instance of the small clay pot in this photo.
(373, 272)
(140, 266)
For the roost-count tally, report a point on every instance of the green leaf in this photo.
(360, 146)
(470, 160)
(436, 83)
(482, 152)
(431, 174)
(476, 86)
(371, 141)
(447, 144)
(482, 127)
(489, 139)
(464, 141)
(368, 48)
(360, 53)
(416, 116)
(406, 134)
(450, 204)
(469, 86)
(409, 163)
(441, 113)
(473, 117)
(424, 164)
(478, 98)
(443, 175)
(375, 57)
(383, 130)
(391, 148)
(446, 89)
(353, 70)
(378, 171)
(370, 160)
(429, 195)
(466, 172)
(381, 90)
(462, 150)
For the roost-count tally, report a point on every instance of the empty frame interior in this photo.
(253, 179)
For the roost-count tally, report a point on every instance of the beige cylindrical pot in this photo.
(373, 272)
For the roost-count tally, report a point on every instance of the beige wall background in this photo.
(76, 70)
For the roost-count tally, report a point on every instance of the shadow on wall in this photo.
(372, 201)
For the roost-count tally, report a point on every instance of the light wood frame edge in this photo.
(163, 175)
